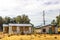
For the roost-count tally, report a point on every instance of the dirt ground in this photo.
(30, 37)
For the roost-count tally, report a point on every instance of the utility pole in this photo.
(43, 17)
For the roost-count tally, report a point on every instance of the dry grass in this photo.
(29, 37)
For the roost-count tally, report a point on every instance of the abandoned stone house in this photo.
(37, 30)
(49, 29)
(17, 28)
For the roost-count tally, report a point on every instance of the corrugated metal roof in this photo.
(17, 25)
(5, 24)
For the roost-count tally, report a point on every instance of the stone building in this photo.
(49, 29)
(37, 30)
(17, 28)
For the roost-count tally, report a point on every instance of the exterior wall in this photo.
(17, 29)
(38, 30)
(14, 29)
(56, 29)
(46, 28)
(30, 30)
(25, 29)
(53, 29)
(10, 30)
(21, 29)
(5, 29)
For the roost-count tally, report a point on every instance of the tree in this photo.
(25, 19)
(14, 20)
(58, 20)
(7, 20)
(53, 22)
(1, 23)
(18, 19)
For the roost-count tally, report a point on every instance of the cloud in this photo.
(32, 8)
(52, 3)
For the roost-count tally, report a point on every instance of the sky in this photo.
(32, 8)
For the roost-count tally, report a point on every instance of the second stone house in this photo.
(49, 29)
(37, 29)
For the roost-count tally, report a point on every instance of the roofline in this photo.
(17, 24)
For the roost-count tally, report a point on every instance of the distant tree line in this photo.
(23, 19)
(19, 19)
(56, 21)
